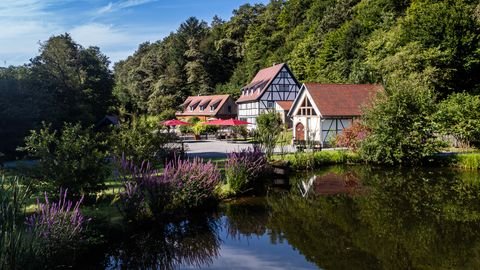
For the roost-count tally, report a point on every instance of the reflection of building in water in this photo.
(306, 185)
(331, 184)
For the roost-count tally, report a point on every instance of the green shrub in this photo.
(459, 115)
(73, 158)
(188, 129)
(269, 126)
(242, 169)
(140, 140)
(401, 125)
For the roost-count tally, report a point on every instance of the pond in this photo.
(353, 217)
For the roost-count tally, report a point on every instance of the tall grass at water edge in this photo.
(310, 160)
(469, 161)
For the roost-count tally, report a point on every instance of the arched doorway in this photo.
(299, 132)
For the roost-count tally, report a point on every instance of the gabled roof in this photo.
(335, 100)
(260, 83)
(285, 104)
(203, 101)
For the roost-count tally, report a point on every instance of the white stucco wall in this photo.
(312, 127)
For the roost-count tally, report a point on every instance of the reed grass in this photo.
(469, 161)
(310, 160)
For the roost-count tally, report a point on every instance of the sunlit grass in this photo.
(311, 160)
(470, 161)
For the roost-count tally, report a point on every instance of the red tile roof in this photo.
(285, 104)
(342, 99)
(260, 83)
(206, 101)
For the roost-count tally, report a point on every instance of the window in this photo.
(270, 104)
(202, 108)
(191, 108)
(229, 108)
(212, 108)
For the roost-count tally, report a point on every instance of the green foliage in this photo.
(187, 129)
(198, 128)
(243, 170)
(141, 139)
(78, 79)
(65, 82)
(470, 161)
(459, 115)
(13, 243)
(401, 125)
(312, 160)
(240, 130)
(269, 127)
(73, 158)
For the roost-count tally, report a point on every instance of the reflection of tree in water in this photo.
(409, 219)
(192, 243)
(246, 217)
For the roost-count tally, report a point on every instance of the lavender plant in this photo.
(243, 168)
(193, 182)
(57, 226)
(144, 190)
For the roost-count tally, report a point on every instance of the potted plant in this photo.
(198, 129)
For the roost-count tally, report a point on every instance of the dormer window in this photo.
(190, 108)
(212, 108)
(202, 108)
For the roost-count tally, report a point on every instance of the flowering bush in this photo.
(244, 167)
(184, 184)
(144, 190)
(192, 181)
(57, 226)
(352, 136)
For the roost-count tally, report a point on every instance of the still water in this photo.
(336, 218)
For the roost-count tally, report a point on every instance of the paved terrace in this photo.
(219, 149)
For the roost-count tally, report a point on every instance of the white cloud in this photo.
(112, 7)
(116, 42)
(237, 258)
(25, 23)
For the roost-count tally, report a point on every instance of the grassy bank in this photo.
(310, 160)
(469, 161)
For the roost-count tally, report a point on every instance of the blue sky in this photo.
(116, 26)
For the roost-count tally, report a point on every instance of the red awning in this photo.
(228, 122)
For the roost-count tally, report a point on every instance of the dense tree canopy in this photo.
(353, 41)
(336, 41)
(65, 82)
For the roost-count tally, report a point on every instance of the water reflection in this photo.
(192, 243)
(407, 219)
(330, 183)
(337, 218)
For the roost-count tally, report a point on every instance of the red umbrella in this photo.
(174, 122)
(228, 122)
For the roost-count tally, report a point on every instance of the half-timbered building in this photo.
(269, 86)
(321, 111)
(207, 107)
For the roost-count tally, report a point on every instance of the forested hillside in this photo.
(339, 41)
(433, 44)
